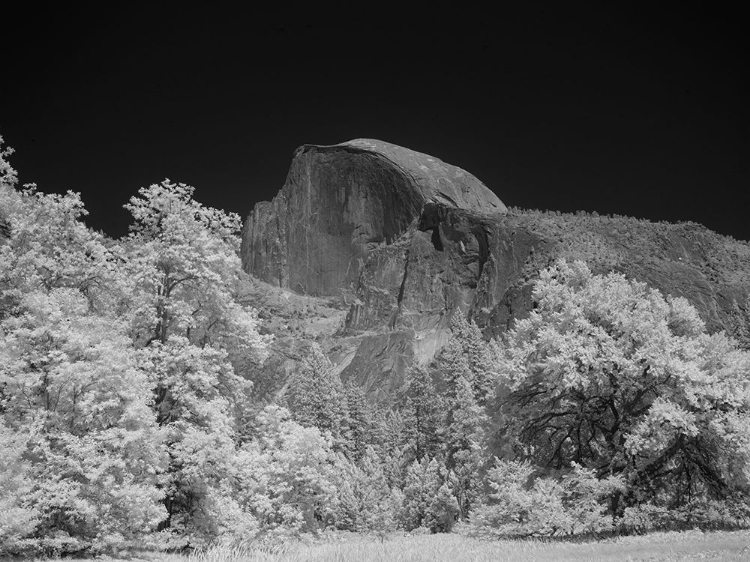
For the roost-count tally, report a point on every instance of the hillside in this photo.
(370, 252)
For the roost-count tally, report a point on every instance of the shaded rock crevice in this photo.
(400, 298)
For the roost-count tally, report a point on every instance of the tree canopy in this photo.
(609, 374)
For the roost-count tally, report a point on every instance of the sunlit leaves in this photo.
(69, 377)
(608, 373)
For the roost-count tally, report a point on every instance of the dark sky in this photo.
(621, 110)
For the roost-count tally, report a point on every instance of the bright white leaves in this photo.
(69, 376)
(17, 518)
(100, 341)
(182, 281)
(286, 476)
(607, 371)
(524, 503)
(51, 248)
(184, 272)
(8, 176)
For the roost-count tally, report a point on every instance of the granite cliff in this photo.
(340, 202)
(370, 249)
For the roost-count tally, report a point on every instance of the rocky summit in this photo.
(370, 249)
(341, 202)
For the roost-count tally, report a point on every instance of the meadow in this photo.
(657, 547)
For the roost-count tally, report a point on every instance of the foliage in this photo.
(8, 181)
(316, 398)
(524, 503)
(8, 176)
(116, 359)
(467, 447)
(286, 476)
(428, 500)
(611, 375)
(636, 246)
(182, 284)
(468, 355)
(192, 386)
(366, 502)
(731, 513)
(366, 424)
(69, 378)
(467, 367)
(184, 273)
(51, 248)
(424, 414)
(18, 519)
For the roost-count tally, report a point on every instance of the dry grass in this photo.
(660, 547)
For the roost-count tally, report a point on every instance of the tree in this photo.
(360, 423)
(18, 519)
(193, 389)
(424, 415)
(50, 247)
(316, 398)
(467, 366)
(739, 322)
(182, 284)
(611, 375)
(468, 355)
(69, 378)
(421, 485)
(443, 510)
(428, 498)
(185, 273)
(8, 181)
(365, 500)
(522, 502)
(466, 437)
(286, 476)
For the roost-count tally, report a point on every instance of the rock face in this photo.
(405, 242)
(340, 202)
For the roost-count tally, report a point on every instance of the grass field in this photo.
(659, 547)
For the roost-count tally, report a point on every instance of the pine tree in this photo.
(366, 503)
(466, 445)
(740, 323)
(360, 424)
(465, 364)
(468, 355)
(443, 510)
(316, 398)
(424, 415)
(421, 486)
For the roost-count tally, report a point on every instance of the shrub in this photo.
(524, 504)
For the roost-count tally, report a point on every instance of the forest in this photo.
(128, 416)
